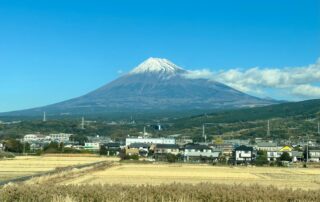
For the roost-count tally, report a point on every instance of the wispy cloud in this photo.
(300, 82)
(120, 71)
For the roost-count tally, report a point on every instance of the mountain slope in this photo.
(309, 109)
(156, 84)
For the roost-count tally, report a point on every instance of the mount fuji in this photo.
(156, 84)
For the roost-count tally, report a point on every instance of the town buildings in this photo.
(60, 137)
(129, 141)
(314, 155)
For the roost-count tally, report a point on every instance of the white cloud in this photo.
(296, 81)
(307, 91)
(198, 74)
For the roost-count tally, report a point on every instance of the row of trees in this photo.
(15, 146)
(262, 158)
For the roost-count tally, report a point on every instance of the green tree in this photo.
(61, 147)
(262, 158)
(171, 158)
(103, 150)
(285, 156)
(15, 146)
(222, 158)
(79, 138)
(53, 147)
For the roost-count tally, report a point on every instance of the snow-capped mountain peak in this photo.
(156, 65)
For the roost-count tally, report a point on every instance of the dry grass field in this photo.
(155, 174)
(29, 165)
(110, 180)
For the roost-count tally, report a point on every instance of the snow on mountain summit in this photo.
(157, 65)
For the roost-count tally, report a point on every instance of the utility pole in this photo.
(44, 117)
(307, 149)
(82, 123)
(204, 132)
(268, 132)
(24, 148)
(318, 128)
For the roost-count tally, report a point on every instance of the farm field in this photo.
(156, 174)
(29, 165)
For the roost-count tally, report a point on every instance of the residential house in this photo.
(92, 146)
(226, 148)
(244, 154)
(131, 151)
(276, 153)
(314, 155)
(113, 148)
(34, 146)
(194, 152)
(160, 150)
(297, 156)
(143, 148)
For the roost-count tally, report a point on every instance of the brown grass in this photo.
(171, 192)
(156, 174)
(29, 165)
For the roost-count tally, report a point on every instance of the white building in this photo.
(244, 154)
(60, 137)
(268, 146)
(150, 140)
(314, 155)
(94, 146)
(33, 137)
(1, 147)
(194, 152)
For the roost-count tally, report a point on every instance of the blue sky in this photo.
(51, 51)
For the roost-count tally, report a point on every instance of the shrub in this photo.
(262, 158)
(130, 157)
(6, 155)
(171, 158)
